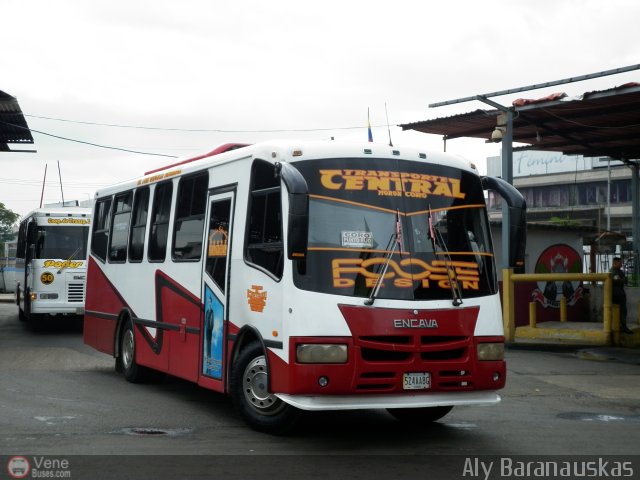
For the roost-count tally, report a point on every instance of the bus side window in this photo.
(160, 221)
(218, 242)
(119, 234)
(138, 224)
(264, 246)
(189, 218)
(100, 236)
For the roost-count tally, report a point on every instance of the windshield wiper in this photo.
(396, 240)
(65, 264)
(437, 240)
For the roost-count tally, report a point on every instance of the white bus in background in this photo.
(51, 263)
(305, 276)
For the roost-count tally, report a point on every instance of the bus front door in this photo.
(215, 277)
(29, 271)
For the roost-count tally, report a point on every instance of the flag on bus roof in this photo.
(369, 127)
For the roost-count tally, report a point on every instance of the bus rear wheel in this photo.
(249, 383)
(126, 361)
(419, 416)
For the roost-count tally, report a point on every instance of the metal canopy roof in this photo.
(600, 123)
(13, 126)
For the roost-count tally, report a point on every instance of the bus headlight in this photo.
(48, 296)
(321, 353)
(490, 351)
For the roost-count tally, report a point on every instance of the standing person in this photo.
(619, 296)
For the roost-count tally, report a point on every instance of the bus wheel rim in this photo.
(255, 386)
(127, 348)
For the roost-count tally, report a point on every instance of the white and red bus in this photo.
(305, 276)
(51, 263)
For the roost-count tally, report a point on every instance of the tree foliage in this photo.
(8, 220)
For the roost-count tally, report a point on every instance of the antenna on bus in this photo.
(60, 177)
(43, 182)
(388, 129)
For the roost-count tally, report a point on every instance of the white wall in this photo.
(532, 162)
(537, 241)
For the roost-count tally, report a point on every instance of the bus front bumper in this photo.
(361, 402)
(43, 309)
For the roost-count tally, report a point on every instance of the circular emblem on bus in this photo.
(18, 467)
(46, 278)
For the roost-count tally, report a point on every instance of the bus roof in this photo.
(227, 147)
(291, 151)
(59, 212)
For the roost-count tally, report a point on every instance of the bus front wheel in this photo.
(419, 416)
(22, 315)
(249, 383)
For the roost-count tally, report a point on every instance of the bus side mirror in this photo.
(298, 219)
(517, 219)
(298, 226)
(30, 240)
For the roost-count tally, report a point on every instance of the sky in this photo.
(178, 78)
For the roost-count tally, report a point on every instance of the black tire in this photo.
(126, 361)
(23, 314)
(249, 380)
(36, 322)
(419, 416)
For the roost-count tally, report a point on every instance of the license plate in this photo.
(416, 381)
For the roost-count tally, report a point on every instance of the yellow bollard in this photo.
(615, 323)
(508, 305)
(606, 306)
(563, 309)
(532, 314)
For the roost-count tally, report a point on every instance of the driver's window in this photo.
(264, 246)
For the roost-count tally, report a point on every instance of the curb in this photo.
(611, 354)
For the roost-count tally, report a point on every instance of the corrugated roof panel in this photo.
(13, 126)
(602, 123)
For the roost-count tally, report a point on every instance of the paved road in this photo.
(60, 397)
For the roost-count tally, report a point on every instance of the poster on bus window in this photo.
(212, 349)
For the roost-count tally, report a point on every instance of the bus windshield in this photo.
(61, 242)
(410, 230)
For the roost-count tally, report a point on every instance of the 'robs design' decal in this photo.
(441, 272)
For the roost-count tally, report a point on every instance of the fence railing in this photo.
(508, 295)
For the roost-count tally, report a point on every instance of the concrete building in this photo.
(574, 191)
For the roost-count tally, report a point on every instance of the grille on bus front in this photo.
(75, 292)
(385, 358)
